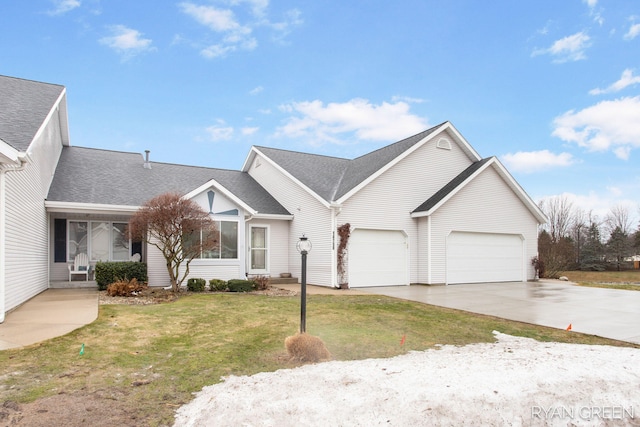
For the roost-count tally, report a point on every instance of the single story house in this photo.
(427, 209)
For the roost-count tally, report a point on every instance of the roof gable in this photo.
(465, 177)
(333, 179)
(102, 177)
(25, 106)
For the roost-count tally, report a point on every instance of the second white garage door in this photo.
(484, 257)
(378, 258)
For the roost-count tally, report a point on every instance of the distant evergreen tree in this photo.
(619, 246)
(593, 253)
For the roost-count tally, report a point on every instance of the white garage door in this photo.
(378, 258)
(484, 257)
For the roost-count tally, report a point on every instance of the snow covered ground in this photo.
(514, 381)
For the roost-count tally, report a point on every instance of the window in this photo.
(102, 240)
(444, 143)
(228, 238)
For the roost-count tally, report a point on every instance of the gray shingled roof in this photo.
(333, 177)
(24, 104)
(88, 175)
(451, 186)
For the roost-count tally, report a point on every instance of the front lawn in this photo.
(148, 360)
(626, 280)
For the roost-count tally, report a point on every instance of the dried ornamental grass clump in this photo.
(125, 288)
(306, 348)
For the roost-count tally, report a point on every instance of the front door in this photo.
(259, 250)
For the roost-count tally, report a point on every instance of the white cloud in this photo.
(407, 99)
(608, 125)
(570, 48)
(126, 41)
(591, 3)
(249, 130)
(627, 79)
(256, 90)
(321, 123)
(64, 6)
(216, 51)
(535, 161)
(219, 20)
(219, 132)
(633, 32)
(235, 33)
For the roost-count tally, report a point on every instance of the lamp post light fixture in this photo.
(304, 247)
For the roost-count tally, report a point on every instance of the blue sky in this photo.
(550, 87)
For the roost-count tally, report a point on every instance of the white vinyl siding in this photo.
(310, 217)
(27, 256)
(386, 203)
(486, 205)
(156, 267)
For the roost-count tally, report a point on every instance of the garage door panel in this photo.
(484, 257)
(377, 258)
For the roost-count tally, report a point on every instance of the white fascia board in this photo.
(90, 208)
(512, 183)
(223, 190)
(292, 178)
(466, 147)
(272, 216)
(8, 154)
(392, 163)
(454, 192)
(54, 108)
(522, 195)
(247, 162)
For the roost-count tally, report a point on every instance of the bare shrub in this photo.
(262, 282)
(306, 348)
(125, 288)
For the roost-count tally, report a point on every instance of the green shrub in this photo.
(111, 272)
(196, 284)
(217, 285)
(238, 285)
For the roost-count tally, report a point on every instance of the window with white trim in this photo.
(444, 143)
(101, 240)
(228, 238)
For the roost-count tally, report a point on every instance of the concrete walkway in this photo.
(53, 313)
(607, 313)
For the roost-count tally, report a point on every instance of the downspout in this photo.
(335, 211)
(3, 220)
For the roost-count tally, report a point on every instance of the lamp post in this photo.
(303, 246)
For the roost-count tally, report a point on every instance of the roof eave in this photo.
(90, 208)
(313, 194)
(225, 191)
(511, 182)
(282, 217)
(8, 154)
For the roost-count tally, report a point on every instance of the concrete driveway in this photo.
(604, 312)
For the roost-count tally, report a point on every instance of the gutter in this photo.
(23, 159)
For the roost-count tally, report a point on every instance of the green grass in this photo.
(150, 359)
(624, 280)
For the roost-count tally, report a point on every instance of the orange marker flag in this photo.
(569, 327)
(404, 337)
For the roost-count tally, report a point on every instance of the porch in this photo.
(74, 284)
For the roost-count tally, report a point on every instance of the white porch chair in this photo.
(80, 266)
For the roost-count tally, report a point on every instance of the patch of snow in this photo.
(515, 381)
